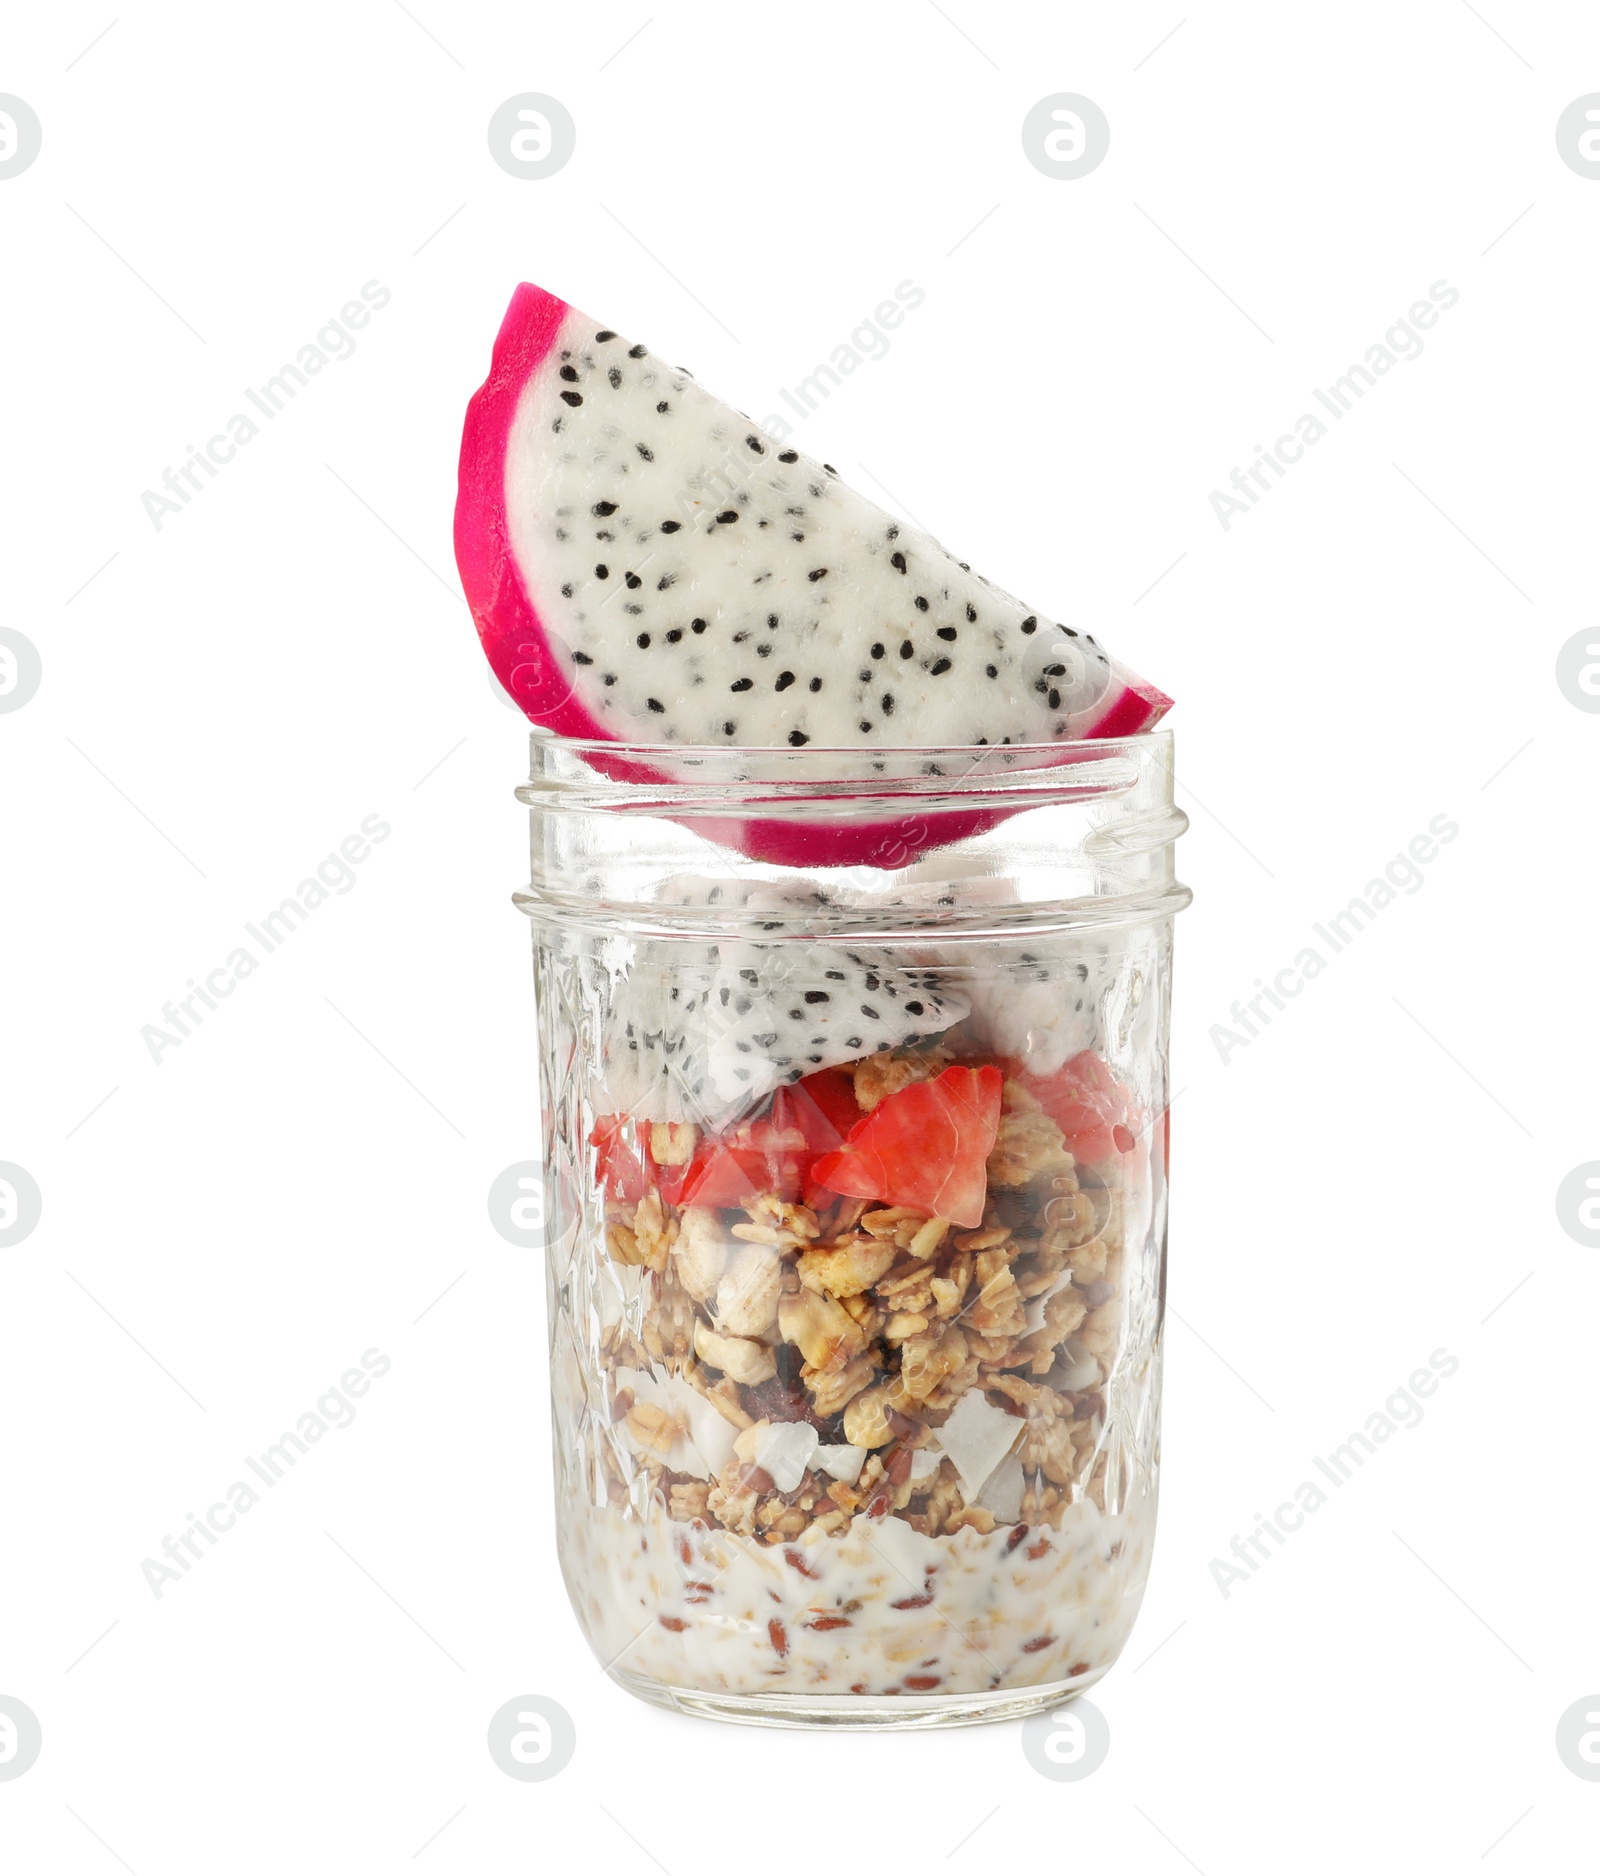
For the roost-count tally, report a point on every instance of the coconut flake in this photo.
(841, 1462)
(924, 1463)
(1033, 1312)
(705, 1441)
(710, 1435)
(976, 1438)
(1075, 1370)
(1002, 1491)
(785, 1450)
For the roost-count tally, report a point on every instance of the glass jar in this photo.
(855, 1098)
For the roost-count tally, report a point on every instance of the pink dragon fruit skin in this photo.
(513, 638)
(531, 644)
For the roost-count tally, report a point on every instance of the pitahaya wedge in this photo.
(646, 566)
(710, 1037)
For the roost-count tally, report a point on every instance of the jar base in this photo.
(862, 1713)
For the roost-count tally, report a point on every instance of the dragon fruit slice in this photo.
(709, 1039)
(647, 566)
(706, 1032)
(1042, 1005)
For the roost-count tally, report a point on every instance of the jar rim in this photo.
(652, 778)
(611, 821)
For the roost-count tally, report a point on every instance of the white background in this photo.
(224, 699)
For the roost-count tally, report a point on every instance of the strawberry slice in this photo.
(757, 1158)
(924, 1147)
(823, 1107)
(620, 1159)
(1094, 1111)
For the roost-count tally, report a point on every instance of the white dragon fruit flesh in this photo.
(1042, 1004)
(646, 566)
(708, 1038)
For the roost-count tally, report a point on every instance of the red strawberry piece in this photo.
(924, 1147)
(760, 1157)
(1091, 1107)
(824, 1108)
(621, 1162)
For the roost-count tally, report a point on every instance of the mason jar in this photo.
(854, 1089)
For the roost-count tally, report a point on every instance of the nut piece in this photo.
(848, 1269)
(747, 1296)
(686, 1500)
(672, 1142)
(866, 1419)
(623, 1245)
(822, 1331)
(702, 1252)
(745, 1362)
(878, 1076)
(733, 1499)
(947, 1291)
(777, 1221)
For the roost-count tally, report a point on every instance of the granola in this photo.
(869, 1323)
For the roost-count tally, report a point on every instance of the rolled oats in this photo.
(669, 1326)
(906, 1287)
(886, 1222)
(1029, 1145)
(929, 1359)
(794, 1224)
(986, 1239)
(653, 1427)
(924, 1241)
(1069, 1221)
(999, 1309)
(653, 1231)
(1088, 1261)
(832, 1388)
(1101, 1331)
